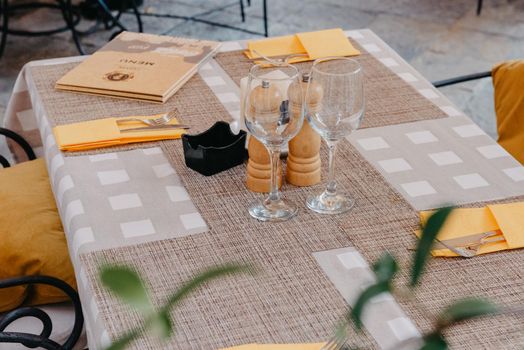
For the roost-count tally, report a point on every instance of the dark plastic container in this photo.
(215, 150)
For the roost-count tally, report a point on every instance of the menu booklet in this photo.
(139, 66)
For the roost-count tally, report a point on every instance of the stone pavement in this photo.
(440, 38)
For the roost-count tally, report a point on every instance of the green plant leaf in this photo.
(204, 277)
(429, 233)
(385, 268)
(128, 286)
(372, 291)
(122, 342)
(465, 309)
(161, 325)
(434, 341)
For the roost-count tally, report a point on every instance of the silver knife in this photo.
(159, 127)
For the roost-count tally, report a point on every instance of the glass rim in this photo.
(315, 68)
(269, 65)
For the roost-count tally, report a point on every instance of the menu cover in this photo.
(139, 66)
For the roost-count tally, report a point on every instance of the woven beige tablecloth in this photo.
(389, 99)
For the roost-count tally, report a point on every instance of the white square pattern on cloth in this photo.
(349, 272)
(445, 158)
(127, 198)
(351, 260)
(442, 161)
(418, 188)
(394, 165)
(470, 181)
(373, 143)
(137, 228)
(516, 174)
(421, 137)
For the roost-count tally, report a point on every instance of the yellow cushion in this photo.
(32, 240)
(508, 81)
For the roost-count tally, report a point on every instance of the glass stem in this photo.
(331, 188)
(274, 156)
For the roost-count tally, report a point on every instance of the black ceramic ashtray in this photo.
(215, 150)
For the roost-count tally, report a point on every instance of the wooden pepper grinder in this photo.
(303, 162)
(264, 103)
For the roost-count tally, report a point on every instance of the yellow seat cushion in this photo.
(508, 82)
(32, 240)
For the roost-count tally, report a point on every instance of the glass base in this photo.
(272, 210)
(330, 204)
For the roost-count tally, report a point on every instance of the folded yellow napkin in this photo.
(469, 225)
(106, 132)
(313, 346)
(313, 45)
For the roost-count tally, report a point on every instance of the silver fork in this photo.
(163, 120)
(335, 343)
(470, 250)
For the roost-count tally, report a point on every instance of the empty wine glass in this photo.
(334, 115)
(273, 119)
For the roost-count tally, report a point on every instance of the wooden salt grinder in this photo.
(265, 101)
(303, 162)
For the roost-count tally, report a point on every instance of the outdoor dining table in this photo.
(140, 205)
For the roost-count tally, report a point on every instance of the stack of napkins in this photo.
(107, 132)
(312, 45)
(316, 346)
(465, 226)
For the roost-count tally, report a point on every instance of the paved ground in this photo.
(441, 38)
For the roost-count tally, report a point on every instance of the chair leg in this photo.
(138, 17)
(266, 30)
(115, 21)
(479, 7)
(242, 13)
(5, 19)
(67, 14)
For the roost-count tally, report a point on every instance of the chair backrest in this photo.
(20, 141)
(508, 82)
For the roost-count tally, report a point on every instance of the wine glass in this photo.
(334, 115)
(273, 119)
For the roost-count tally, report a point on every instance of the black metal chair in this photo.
(42, 339)
(71, 14)
(20, 141)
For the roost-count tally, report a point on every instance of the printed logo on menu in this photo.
(118, 76)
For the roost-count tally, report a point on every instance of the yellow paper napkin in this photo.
(322, 43)
(311, 346)
(466, 225)
(325, 43)
(106, 132)
(279, 46)
(510, 218)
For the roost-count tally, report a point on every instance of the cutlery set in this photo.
(469, 249)
(156, 123)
